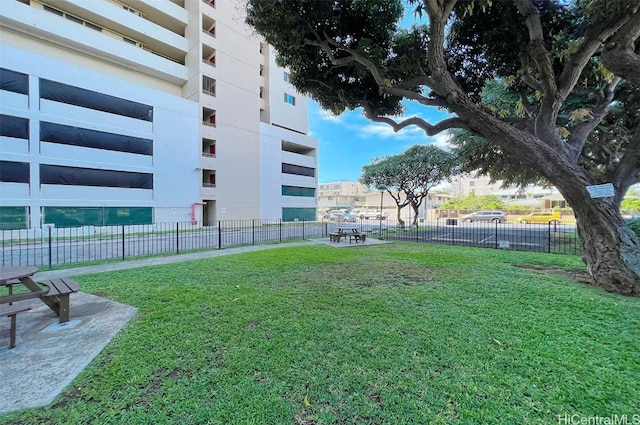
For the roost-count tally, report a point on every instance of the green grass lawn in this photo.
(400, 333)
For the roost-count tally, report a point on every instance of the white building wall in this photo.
(236, 194)
(174, 132)
(166, 66)
(36, 22)
(284, 114)
(271, 158)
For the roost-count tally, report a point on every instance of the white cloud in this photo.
(328, 116)
(385, 131)
(442, 140)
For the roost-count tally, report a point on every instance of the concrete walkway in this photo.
(49, 354)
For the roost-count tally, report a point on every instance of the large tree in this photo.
(410, 175)
(349, 54)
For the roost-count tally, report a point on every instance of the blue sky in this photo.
(349, 141)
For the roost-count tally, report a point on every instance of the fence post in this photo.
(453, 229)
(303, 229)
(177, 238)
(549, 239)
(280, 227)
(496, 234)
(253, 231)
(219, 235)
(49, 247)
(123, 256)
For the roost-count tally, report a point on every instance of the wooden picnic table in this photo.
(55, 293)
(10, 276)
(350, 231)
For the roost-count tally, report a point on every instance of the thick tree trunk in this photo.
(400, 220)
(611, 249)
(415, 214)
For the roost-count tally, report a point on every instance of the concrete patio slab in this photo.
(49, 355)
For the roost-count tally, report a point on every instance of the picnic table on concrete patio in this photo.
(350, 231)
(55, 293)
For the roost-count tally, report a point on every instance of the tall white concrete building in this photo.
(145, 111)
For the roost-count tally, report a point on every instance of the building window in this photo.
(76, 176)
(287, 77)
(298, 170)
(53, 10)
(64, 93)
(209, 85)
(132, 41)
(208, 117)
(14, 172)
(15, 127)
(72, 18)
(209, 178)
(209, 148)
(13, 81)
(291, 100)
(308, 192)
(132, 10)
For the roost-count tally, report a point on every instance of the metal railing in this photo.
(554, 237)
(50, 246)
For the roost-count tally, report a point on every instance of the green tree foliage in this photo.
(630, 204)
(410, 175)
(548, 85)
(473, 202)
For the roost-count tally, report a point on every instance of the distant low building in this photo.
(427, 210)
(341, 195)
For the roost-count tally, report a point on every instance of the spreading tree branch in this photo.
(384, 84)
(619, 54)
(428, 128)
(628, 170)
(593, 39)
(598, 113)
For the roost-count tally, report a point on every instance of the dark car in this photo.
(493, 216)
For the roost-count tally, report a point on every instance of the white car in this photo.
(369, 214)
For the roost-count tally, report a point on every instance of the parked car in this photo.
(341, 217)
(369, 214)
(326, 215)
(494, 216)
(544, 217)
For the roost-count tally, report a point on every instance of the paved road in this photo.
(539, 238)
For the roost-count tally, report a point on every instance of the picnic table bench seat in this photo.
(58, 296)
(353, 236)
(11, 312)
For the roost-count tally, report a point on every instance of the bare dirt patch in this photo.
(579, 276)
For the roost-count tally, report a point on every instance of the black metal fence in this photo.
(50, 246)
(555, 237)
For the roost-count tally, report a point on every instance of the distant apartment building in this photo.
(466, 184)
(341, 195)
(531, 196)
(136, 112)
